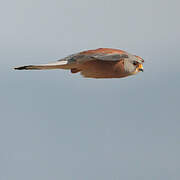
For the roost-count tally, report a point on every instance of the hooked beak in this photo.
(141, 68)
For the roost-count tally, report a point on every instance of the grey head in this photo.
(133, 64)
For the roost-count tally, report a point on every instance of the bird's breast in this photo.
(103, 69)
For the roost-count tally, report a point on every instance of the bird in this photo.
(96, 63)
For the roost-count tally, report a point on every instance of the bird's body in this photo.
(98, 63)
(103, 69)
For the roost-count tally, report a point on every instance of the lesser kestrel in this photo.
(98, 63)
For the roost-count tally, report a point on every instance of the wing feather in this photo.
(102, 54)
(109, 57)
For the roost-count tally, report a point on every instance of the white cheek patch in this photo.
(129, 67)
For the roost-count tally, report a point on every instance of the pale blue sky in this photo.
(55, 125)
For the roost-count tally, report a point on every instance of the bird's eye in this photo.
(135, 63)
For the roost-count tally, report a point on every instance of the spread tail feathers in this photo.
(56, 65)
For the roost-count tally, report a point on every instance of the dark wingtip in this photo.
(21, 68)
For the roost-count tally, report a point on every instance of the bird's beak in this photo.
(141, 67)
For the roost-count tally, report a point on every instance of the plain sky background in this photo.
(56, 125)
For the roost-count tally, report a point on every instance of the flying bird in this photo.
(98, 63)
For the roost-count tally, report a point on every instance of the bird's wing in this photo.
(103, 54)
(52, 65)
(109, 57)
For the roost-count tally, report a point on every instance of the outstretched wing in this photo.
(72, 61)
(53, 65)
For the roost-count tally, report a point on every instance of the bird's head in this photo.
(139, 64)
(134, 64)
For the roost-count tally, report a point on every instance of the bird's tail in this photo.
(61, 64)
